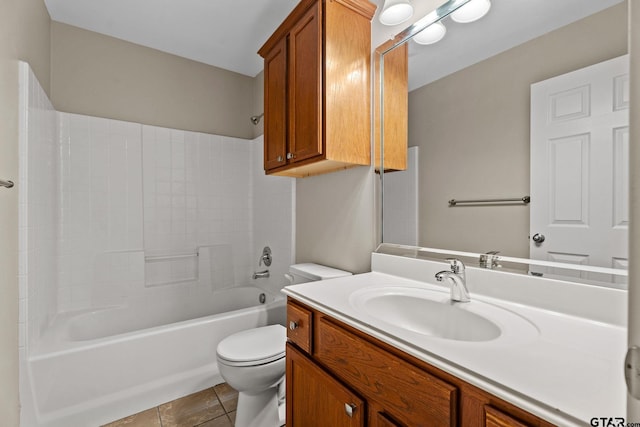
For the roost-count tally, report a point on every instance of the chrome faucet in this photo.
(457, 277)
(261, 274)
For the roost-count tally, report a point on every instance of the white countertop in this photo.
(567, 372)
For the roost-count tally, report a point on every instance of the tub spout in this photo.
(261, 274)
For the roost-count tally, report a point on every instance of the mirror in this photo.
(472, 129)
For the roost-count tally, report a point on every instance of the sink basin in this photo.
(431, 313)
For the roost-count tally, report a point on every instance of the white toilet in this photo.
(253, 361)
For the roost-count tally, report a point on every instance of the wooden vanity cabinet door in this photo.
(316, 399)
(382, 420)
(406, 392)
(496, 418)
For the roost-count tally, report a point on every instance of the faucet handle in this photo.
(265, 258)
(489, 259)
(457, 266)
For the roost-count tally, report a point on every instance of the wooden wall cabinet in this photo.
(348, 378)
(317, 89)
(391, 109)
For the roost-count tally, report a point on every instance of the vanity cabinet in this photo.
(317, 89)
(338, 375)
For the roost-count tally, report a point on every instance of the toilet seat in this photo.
(254, 346)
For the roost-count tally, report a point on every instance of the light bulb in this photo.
(395, 12)
(471, 11)
(432, 34)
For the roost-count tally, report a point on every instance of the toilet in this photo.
(253, 361)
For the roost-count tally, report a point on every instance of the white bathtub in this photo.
(98, 366)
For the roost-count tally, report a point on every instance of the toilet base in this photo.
(258, 410)
(282, 414)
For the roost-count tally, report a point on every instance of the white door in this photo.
(579, 166)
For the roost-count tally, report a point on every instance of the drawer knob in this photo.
(293, 325)
(349, 408)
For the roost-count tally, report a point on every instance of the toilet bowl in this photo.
(253, 361)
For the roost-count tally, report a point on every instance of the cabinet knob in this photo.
(280, 158)
(290, 156)
(293, 325)
(349, 408)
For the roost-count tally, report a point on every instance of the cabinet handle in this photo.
(349, 408)
(280, 158)
(290, 156)
(293, 325)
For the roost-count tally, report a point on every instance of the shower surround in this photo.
(118, 214)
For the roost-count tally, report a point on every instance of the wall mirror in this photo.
(524, 114)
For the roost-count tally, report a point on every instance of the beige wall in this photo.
(335, 219)
(103, 76)
(24, 34)
(473, 130)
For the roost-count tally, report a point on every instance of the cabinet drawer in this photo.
(496, 418)
(299, 326)
(414, 398)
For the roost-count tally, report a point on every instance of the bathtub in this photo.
(93, 367)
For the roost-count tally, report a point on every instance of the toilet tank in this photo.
(311, 272)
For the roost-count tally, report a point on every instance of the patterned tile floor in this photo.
(213, 407)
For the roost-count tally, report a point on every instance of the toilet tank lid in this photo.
(314, 271)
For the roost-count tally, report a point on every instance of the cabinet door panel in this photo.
(275, 114)
(495, 418)
(315, 399)
(381, 420)
(415, 397)
(305, 86)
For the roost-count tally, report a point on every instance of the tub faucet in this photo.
(261, 274)
(457, 277)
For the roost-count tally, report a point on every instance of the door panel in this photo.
(579, 166)
(275, 94)
(315, 399)
(305, 88)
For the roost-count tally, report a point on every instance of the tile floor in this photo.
(213, 407)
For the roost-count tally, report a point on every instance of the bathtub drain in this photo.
(262, 298)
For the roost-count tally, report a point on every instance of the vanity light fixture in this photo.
(432, 34)
(471, 11)
(395, 12)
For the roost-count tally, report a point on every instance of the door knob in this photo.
(538, 238)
